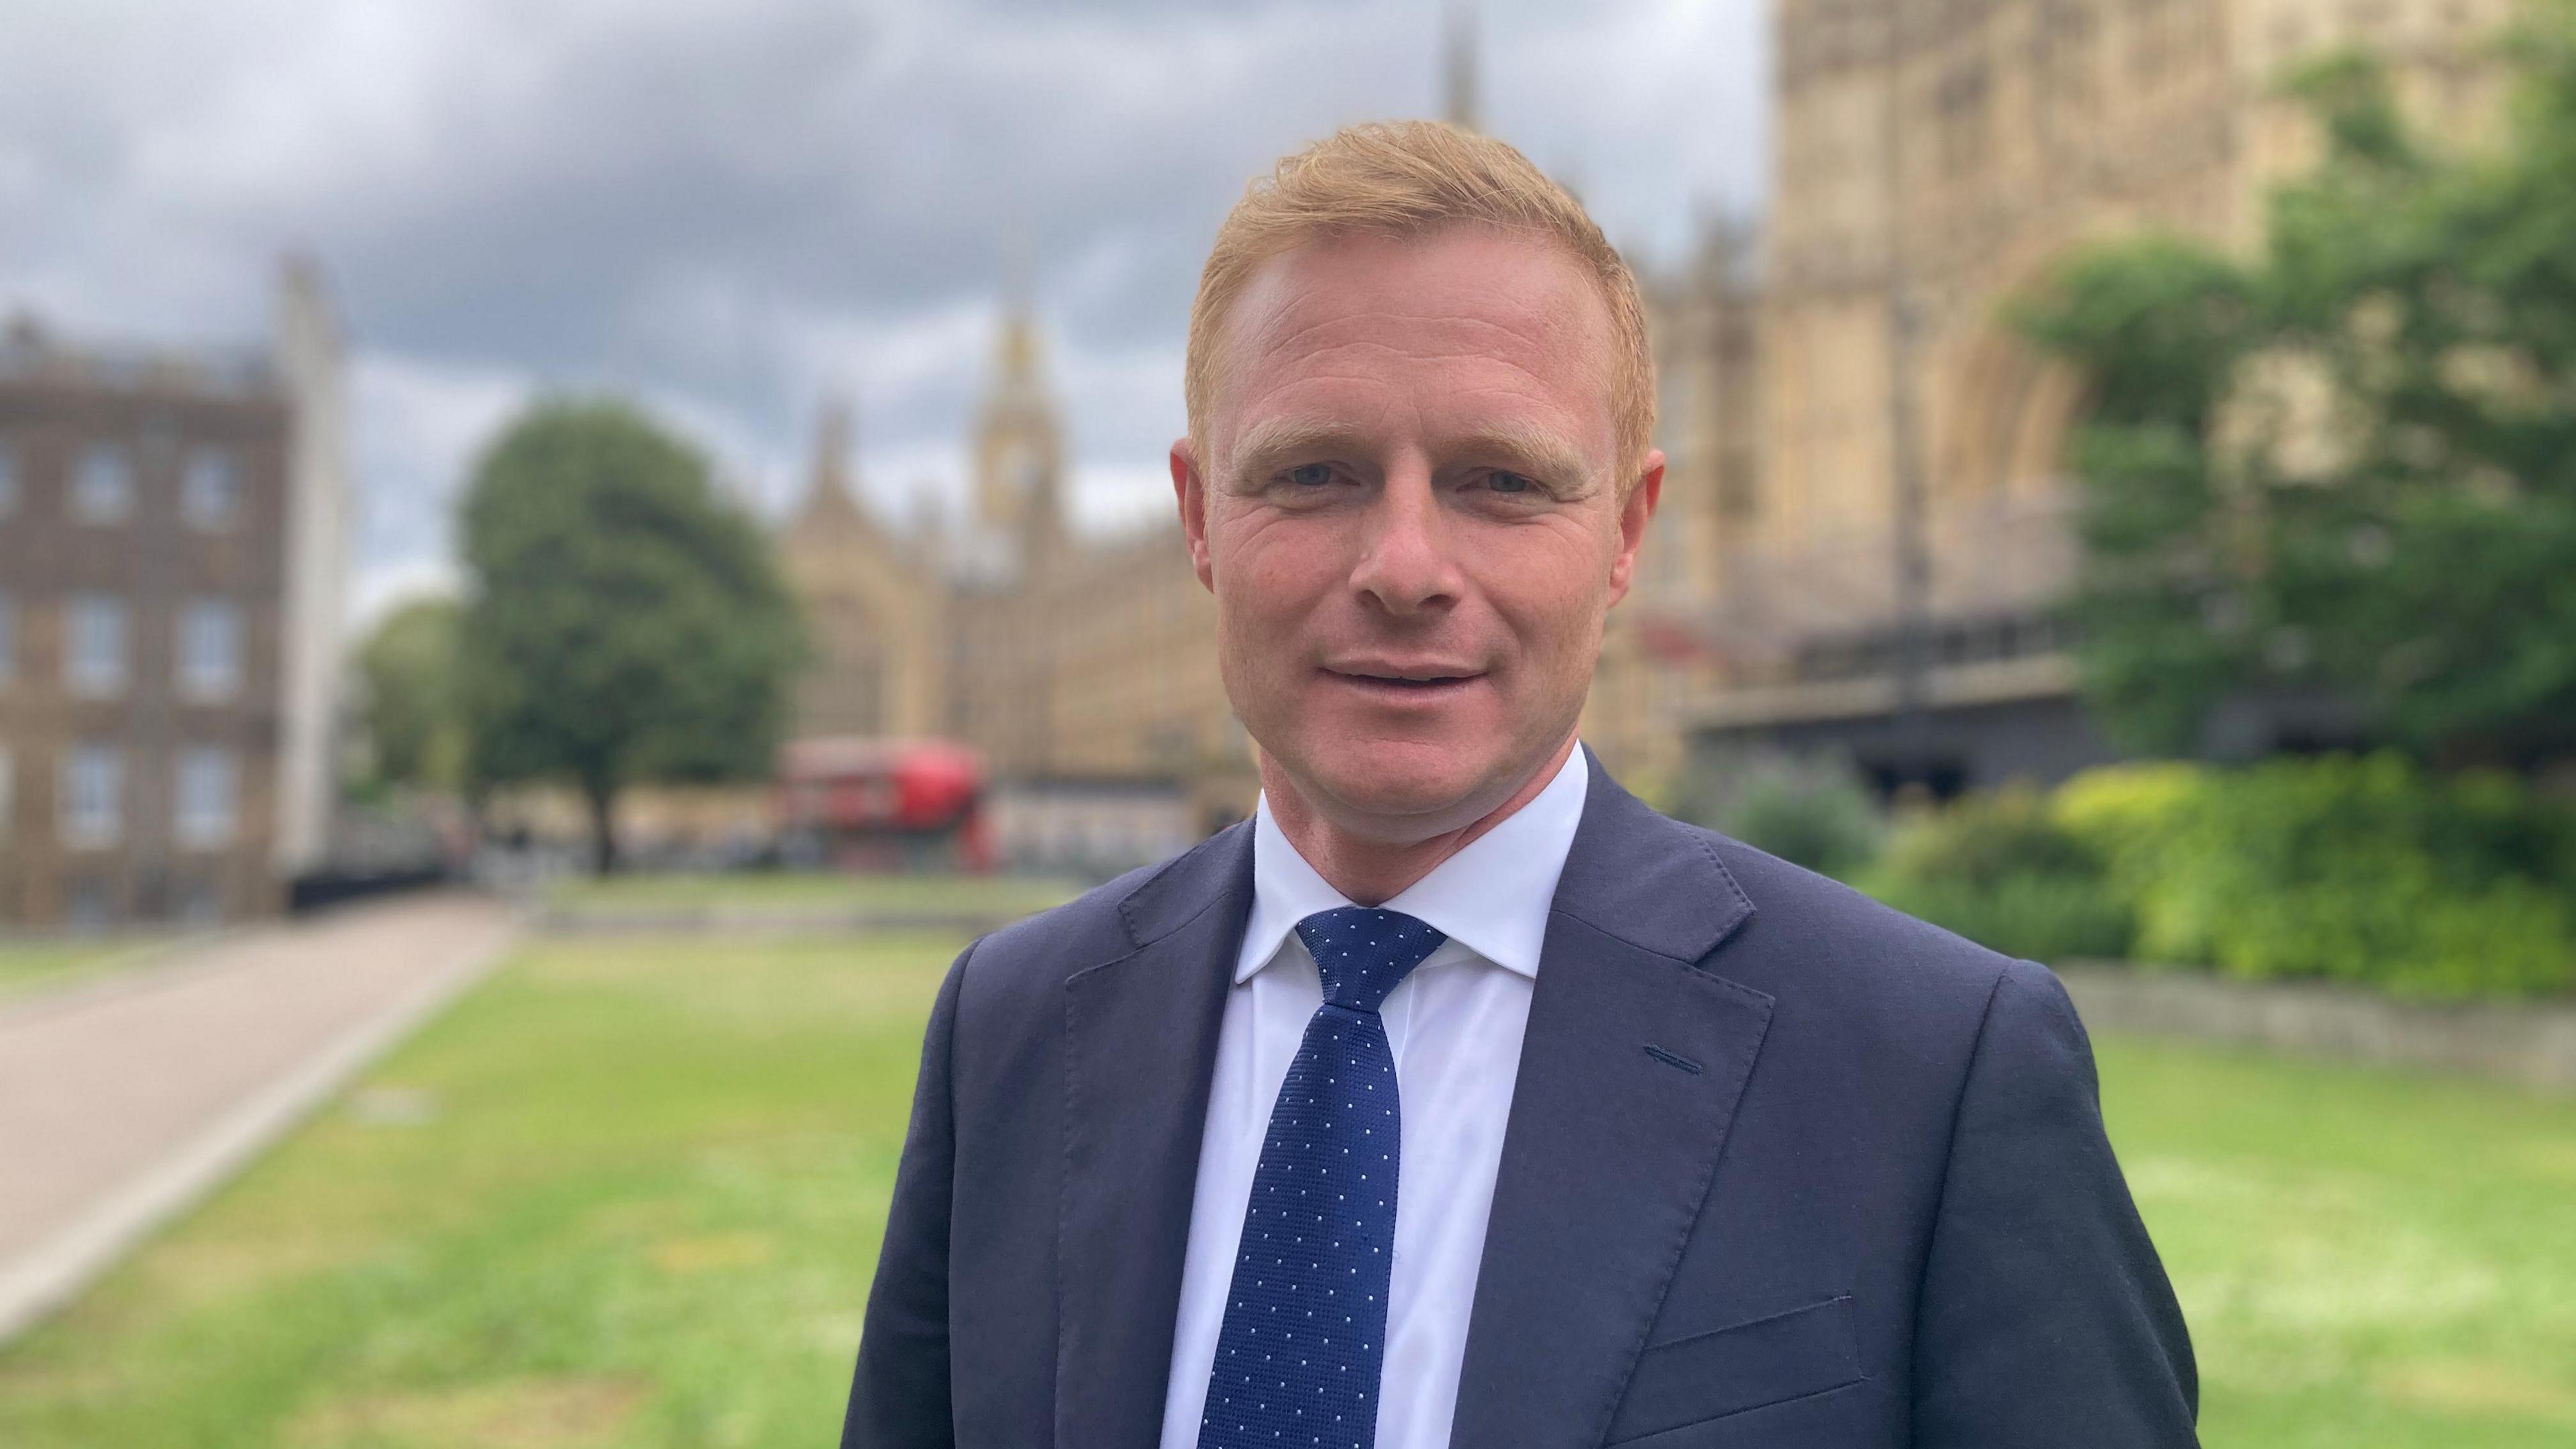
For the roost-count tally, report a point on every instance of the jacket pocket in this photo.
(1728, 1370)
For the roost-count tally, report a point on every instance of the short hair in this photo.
(1407, 179)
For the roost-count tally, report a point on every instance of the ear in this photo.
(1189, 491)
(1634, 514)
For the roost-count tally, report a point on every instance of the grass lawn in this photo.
(626, 1193)
(629, 1192)
(2365, 1257)
(817, 892)
(29, 962)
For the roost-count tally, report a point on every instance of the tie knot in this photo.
(1363, 951)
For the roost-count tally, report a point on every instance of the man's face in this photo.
(1412, 519)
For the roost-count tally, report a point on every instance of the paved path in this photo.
(124, 1099)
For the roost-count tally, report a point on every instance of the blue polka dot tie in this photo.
(1304, 1335)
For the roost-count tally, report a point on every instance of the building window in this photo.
(93, 797)
(8, 794)
(210, 650)
(8, 640)
(8, 480)
(210, 491)
(86, 905)
(207, 786)
(103, 485)
(2066, 45)
(201, 903)
(95, 658)
(1961, 100)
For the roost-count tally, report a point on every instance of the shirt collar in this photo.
(1491, 897)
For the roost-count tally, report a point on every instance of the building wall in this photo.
(314, 525)
(1136, 691)
(1657, 655)
(874, 611)
(1935, 174)
(1060, 658)
(154, 562)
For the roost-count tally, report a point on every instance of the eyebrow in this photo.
(1522, 447)
(1273, 441)
(1516, 446)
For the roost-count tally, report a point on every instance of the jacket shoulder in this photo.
(1034, 956)
(1810, 932)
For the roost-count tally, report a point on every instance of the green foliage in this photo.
(2349, 462)
(626, 622)
(2368, 870)
(414, 717)
(1997, 869)
(2357, 869)
(1814, 813)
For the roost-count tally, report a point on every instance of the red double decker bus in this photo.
(861, 803)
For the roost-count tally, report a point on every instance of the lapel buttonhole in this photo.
(1671, 1060)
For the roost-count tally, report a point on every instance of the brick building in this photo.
(170, 566)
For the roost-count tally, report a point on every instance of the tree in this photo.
(2350, 461)
(415, 721)
(626, 624)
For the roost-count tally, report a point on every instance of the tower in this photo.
(871, 616)
(1019, 449)
(1458, 66)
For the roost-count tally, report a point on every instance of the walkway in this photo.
(124, 1099)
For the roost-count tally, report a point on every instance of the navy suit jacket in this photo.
(1783, 1168)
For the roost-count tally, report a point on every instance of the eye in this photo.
(1311, 475)
(1502, 482)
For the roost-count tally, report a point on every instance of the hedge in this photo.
(2361, 869)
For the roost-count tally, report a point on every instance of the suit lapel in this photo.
(1140, 1045)
(1631, 1069)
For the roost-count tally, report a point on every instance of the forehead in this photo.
(1464, 328)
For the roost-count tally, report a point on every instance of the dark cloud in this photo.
(730, 206)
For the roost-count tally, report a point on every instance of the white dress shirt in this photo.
(1455, 1028)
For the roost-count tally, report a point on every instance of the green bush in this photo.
(2357, 869)
(1814, 813)
(2366, 870)
(1998, 870)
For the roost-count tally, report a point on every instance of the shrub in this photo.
(1814, 813)
(1997, 869)
(2358, 869)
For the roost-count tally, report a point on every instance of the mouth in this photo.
(1404, 684)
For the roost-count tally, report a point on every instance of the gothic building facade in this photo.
(1887, 519)
(1865, 466)
(1082, 669)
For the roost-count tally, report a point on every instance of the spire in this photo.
(1019, 265)
(1458, 66)
(831, 477)
(1016, 351)
(1019, 442)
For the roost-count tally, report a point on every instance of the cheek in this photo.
(1549, 591)
(1271, 573)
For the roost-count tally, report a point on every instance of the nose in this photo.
(1405, 563)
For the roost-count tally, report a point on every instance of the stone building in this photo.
(872, 605)
(1659, 656)
(171, 557)
(1863, 463)
(1898, 492)
(1083, 670)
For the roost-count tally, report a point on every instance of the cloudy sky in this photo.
(731, 209)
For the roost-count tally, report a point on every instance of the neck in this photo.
(1371, 870)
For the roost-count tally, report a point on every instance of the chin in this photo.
(1385, 777)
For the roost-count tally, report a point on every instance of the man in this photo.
(1459, 1098)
